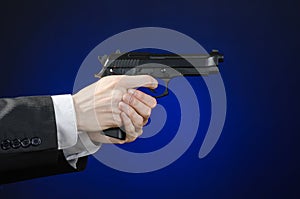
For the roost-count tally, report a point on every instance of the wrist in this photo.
(77, 113)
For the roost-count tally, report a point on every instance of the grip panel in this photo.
(115, 133)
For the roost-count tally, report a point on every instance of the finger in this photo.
(139, 106)
(116, 141)
(139, 131)
(143, 97)
(130, 138)
(145, 121)
(129, 127)
(135, 118)
(139, 81)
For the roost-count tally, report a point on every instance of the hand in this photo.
(113, 102)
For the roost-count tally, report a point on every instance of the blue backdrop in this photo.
(43, 44)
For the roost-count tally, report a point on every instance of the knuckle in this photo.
(130, 131)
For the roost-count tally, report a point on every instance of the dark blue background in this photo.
(44, 42)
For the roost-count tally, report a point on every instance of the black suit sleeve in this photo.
(28, 140)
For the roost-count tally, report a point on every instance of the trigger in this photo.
(152, 90)
(166, 91)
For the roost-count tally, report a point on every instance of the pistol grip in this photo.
(115, 133)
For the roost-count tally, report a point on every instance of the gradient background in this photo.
(257, 156)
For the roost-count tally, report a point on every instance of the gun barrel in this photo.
(144, 63)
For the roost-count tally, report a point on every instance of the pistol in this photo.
(163, 66)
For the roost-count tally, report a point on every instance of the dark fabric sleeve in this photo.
(28, 140)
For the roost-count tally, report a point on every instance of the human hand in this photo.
(113, 102)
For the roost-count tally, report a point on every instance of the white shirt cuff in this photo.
(74, 144)
(83, 147)
(65, 120)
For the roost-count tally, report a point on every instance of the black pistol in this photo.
(161, 66)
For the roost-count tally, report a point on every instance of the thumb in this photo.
(139, 81)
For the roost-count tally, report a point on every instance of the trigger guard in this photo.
(166, 91)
